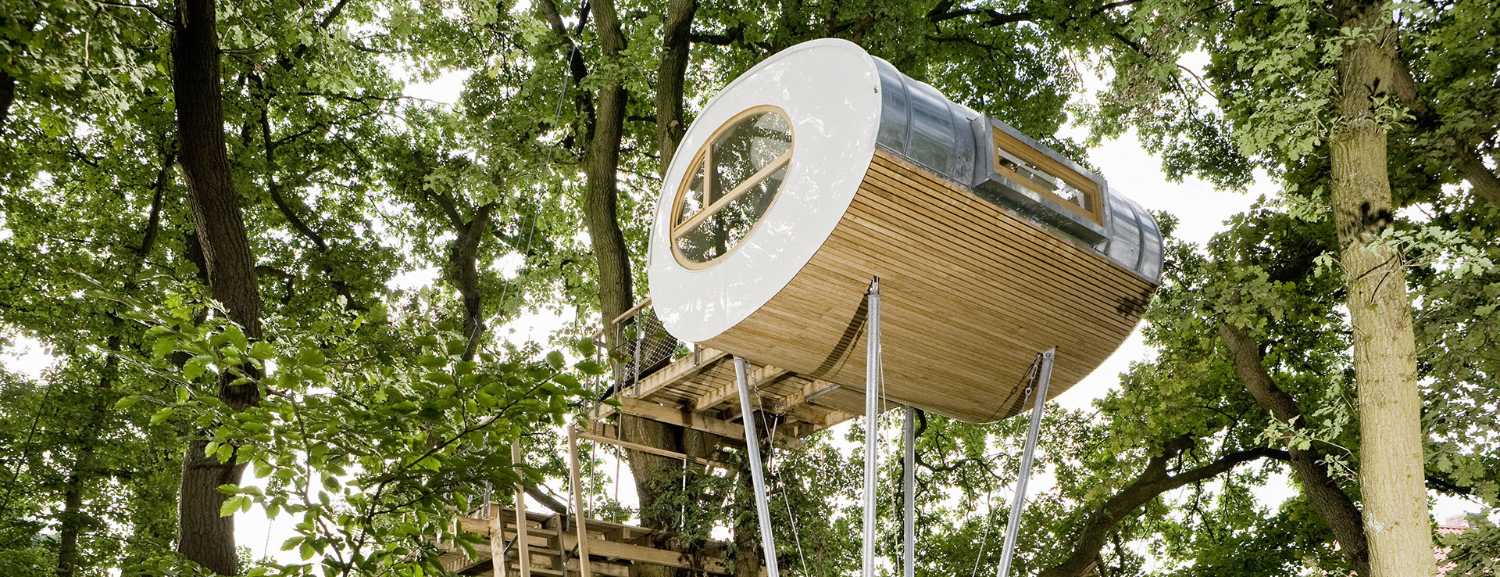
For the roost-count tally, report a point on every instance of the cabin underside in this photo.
(970, 292)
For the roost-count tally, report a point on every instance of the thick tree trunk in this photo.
(671, 73)
(615, 291)
(204, 536)
(1325, 496)
(1390, 406)
(72, 515)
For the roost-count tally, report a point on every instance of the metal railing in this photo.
(641, 345)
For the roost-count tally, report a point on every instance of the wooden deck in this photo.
(553, 546)
(698, 391)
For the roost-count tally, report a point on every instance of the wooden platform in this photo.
(698, 391)
(613, 548)
(961, 322)
(971, 292)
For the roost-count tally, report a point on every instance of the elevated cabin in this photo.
(823, 168)
(815, 172)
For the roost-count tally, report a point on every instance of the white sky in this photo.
(1201, 210)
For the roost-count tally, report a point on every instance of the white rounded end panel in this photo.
(829, 90)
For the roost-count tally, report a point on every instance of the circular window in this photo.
(730, 184)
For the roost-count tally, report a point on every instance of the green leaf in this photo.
(196, 366)
(125, 403)
(163, 347)
(555, 360)
(234, 504)
(262, 350)
(162, 415)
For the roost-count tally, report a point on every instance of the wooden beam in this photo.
(654, 556)
(680, 369)
(497, 541)
(680, 416)
(523, 551)
(653, 450)
(578, 511)
(759, 377)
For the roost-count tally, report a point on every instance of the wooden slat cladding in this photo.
(970, 293)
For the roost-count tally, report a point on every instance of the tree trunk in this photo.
(463, 272)
(615, 286)
(1391, 463)
(204, 536)
(671, 74)
(7, 96)
(1325, 496)
(72, 516)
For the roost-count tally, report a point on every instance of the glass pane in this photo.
(1033, 178)
(740, 151)
(692, 198)
(747, 147)
(718, 233)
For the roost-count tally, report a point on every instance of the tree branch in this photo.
(945, 11)
(1330, 502)
(1466, 158)
(1148, 485)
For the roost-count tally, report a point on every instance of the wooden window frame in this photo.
(702, 162)
(1051, 166)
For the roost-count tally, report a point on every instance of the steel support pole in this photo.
(909, 494)
(1013, 526)
(758, 478)
(872, 428)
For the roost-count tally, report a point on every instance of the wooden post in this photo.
(580, 516)
(497, 540)
(523, 544)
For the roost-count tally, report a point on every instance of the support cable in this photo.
(781, 484)
(984, 539)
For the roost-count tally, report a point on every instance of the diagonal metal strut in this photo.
(757, 477)
(1039, 394)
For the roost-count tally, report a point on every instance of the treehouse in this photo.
(825, 203)
(824, 167)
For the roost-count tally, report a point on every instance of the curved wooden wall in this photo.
(970, 293)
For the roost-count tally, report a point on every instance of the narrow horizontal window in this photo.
(1033, 170)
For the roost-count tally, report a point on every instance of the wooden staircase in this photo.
(553, 546)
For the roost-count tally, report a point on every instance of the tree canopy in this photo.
(249, 245)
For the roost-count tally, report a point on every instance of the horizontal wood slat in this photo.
(970, 293)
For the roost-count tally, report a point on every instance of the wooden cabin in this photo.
(823, 168)
(815, 172)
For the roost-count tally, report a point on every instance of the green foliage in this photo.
(375, 425)
(1473, 551)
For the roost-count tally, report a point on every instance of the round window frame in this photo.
(682, 187)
